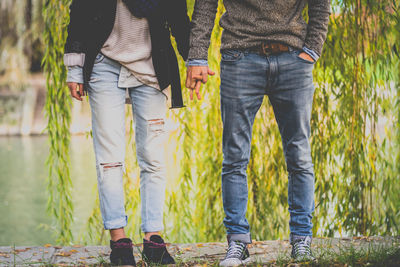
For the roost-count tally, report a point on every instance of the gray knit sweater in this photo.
(247, 23)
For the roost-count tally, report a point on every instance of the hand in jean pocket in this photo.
(76, 90)
(306, 56)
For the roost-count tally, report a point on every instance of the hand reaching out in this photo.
(195, 76)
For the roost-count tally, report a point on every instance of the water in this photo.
(23, 193)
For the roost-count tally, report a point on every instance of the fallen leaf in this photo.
(64, 254)
(187, 249)
(200, 245)
(47, 245)
(73, 251)
(77, 246)
(57, 247)
(21, 250)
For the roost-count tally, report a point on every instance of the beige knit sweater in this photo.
(129, 44)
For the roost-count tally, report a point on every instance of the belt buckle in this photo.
(265, 50)
(269, 48)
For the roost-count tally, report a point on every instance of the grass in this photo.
(349, 256)
(346, 256)
(343, 255)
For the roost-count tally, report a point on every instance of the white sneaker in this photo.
(237, 255)
(301, 248)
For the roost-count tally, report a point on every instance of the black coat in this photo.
(91, 23)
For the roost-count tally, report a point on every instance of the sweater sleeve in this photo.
(202, 25)
(318, 13)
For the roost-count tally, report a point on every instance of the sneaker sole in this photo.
(234, 263)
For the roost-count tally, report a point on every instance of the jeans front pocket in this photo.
(231, 55)
(99, 58)
(297, 55)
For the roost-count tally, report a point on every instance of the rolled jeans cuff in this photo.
(244, 238)
(116, 224)
(75, 74)
(152, 226)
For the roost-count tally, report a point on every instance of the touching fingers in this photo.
(204, 77)
(210, 72)
(197, 89)
(191, 94)
(188, 78)
(194, 79)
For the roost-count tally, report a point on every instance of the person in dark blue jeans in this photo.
(267, 49)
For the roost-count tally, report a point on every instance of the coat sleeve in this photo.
(76, 29)
(179, 23)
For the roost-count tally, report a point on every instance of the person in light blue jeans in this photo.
(120, 47)
(107, 96)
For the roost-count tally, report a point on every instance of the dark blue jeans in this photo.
(287, 80)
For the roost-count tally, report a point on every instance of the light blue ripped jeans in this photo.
(107, 101)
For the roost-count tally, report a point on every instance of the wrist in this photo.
(197, 63)
(311, 53)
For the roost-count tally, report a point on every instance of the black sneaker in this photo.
(301, 248)
(155, 251)
(122, 252)
(237, 254)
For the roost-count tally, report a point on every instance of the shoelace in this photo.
(155, 245)
(235, 250)
(122, 245)
(302, 248)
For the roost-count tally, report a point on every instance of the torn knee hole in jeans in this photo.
(111, 165)
(156, 125)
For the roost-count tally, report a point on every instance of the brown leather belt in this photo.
(269, 48)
